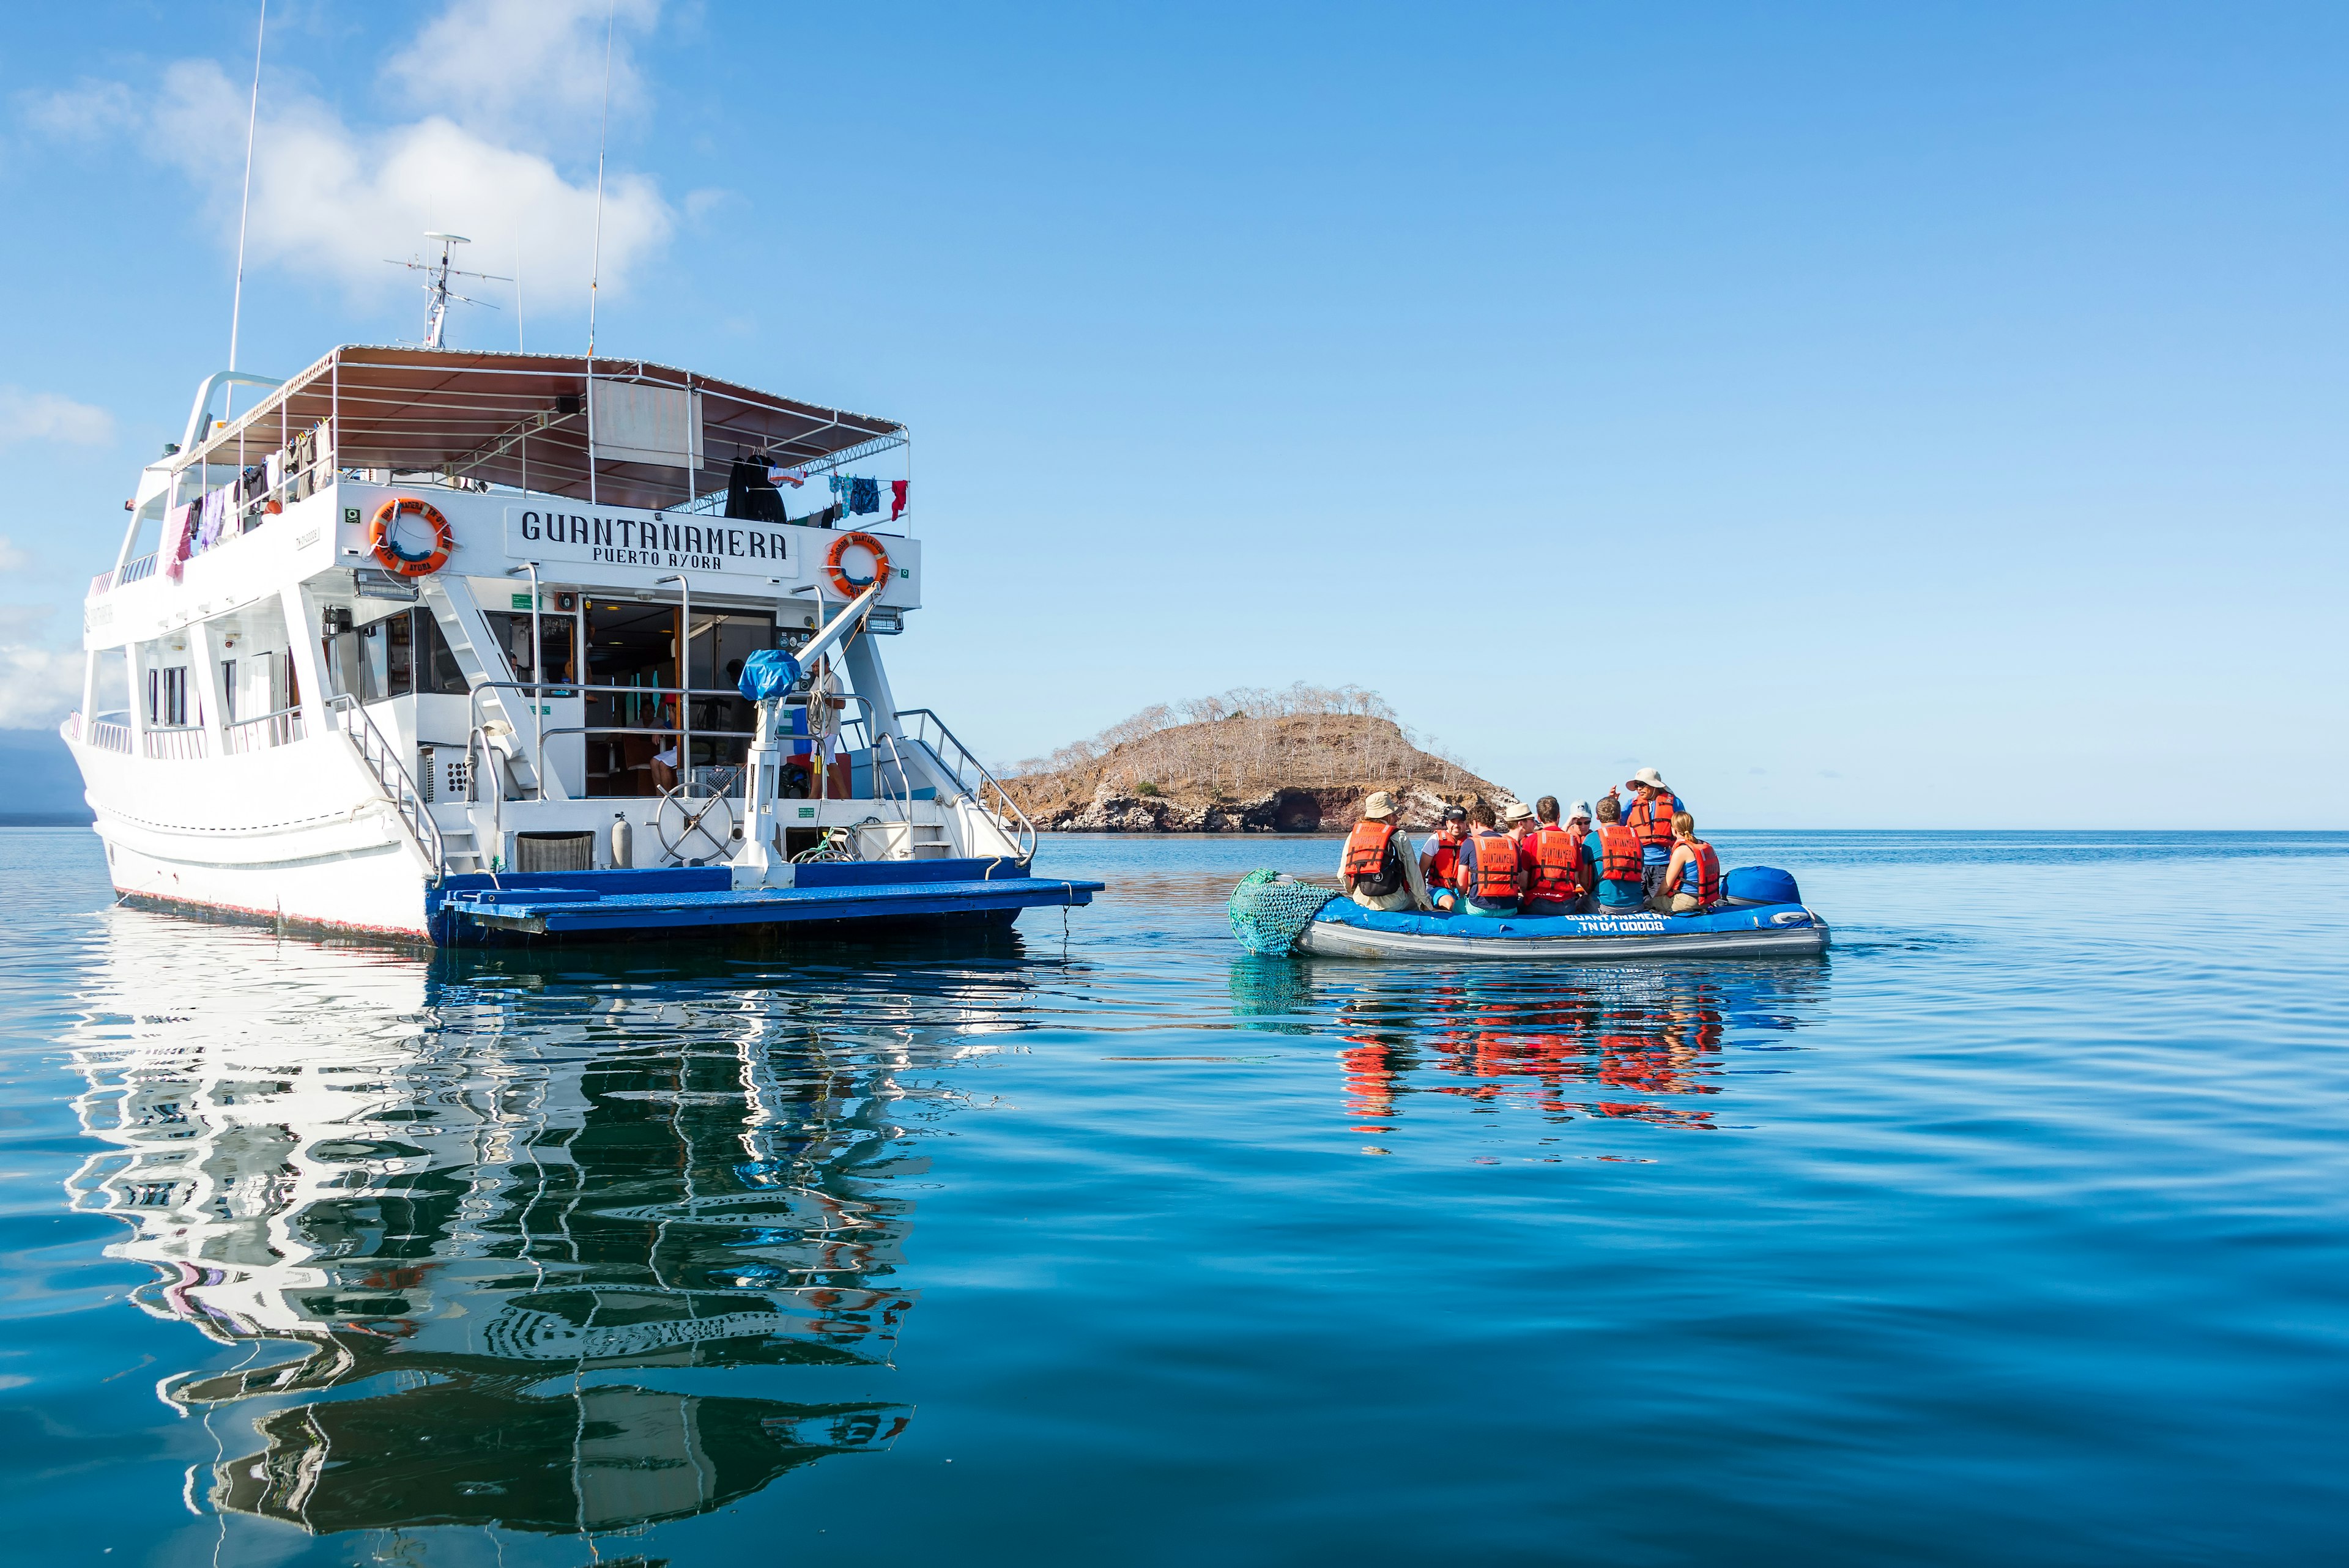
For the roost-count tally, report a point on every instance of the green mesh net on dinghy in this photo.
(1270, 911)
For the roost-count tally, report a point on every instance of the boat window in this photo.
(167, 696)
(358, 662)
(556, 630)
(399, 656)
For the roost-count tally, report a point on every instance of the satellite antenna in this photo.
(436, 284)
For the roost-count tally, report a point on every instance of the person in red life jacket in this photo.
(1553, 861)
(1693, 874)
(1439, 860)
(1378, 869)
(1616, 871)
(1649, 818)
(1488, 866)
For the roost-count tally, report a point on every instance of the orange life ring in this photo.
(383, 539)
(846, 586)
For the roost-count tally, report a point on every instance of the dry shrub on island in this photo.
(1245, 742)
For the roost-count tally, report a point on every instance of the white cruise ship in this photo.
(452, 645)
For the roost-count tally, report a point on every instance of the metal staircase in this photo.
(392, 776)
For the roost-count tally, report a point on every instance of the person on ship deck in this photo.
(1378, 869)
(1439, 861)
(1487, 877)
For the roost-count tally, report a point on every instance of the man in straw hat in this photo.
(1649, 816)
(1377, 869)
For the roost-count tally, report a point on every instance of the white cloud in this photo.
(47, 417)
(39, 683)
(11, 558)
(86, 112)
(526, 71)
(495, 84)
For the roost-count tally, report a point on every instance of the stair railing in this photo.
(972, 776)
(392, 776)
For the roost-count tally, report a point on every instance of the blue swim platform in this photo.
(474, 907)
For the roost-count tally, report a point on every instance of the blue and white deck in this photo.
(472, 908)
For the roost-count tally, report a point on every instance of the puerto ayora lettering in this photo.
(634, 541)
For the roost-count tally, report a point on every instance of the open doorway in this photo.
(633, 642)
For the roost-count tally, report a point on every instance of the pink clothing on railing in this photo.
(178, 539)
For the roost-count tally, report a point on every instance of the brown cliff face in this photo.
(1289, 773)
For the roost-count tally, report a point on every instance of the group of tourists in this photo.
(1528, 861)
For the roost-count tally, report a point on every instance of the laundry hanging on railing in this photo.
(860, 494)
(179, 539)
(211, 520)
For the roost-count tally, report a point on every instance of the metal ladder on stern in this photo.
(392, 777)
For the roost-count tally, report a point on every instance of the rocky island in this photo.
(1250, 760)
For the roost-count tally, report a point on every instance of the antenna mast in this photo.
(436, 284)
(603, 140)
(244, 208)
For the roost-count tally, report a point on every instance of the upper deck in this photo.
(606, 473)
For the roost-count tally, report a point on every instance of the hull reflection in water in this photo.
(493, 1238)
(1641, 1042)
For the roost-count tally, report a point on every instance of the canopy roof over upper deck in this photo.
(523, 420)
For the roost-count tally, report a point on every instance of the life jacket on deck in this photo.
(1651, 818)
(1443, 863)
(1369, 860)
(1555, 855)
(1620, 859)
(1702, 876)
(1488, 868)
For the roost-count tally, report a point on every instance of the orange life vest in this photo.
(1702, 875)
(1556, 854)
(1367, 857)
(1444, 865)
(1651, 818)
(1619, 854)
(1488, 868)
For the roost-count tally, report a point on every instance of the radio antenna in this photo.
(436, 284)
(603, 140)
(244, 208)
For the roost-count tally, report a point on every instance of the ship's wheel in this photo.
(694, 837)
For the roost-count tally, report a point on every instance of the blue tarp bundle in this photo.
(768, 673)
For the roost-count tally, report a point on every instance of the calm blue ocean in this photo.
(2015, 1231)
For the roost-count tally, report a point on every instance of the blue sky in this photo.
(1870, 415)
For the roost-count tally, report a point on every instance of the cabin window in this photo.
(228, 691)
(399, 656)
(167, 697)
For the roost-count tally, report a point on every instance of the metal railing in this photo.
(970, 775)
(96, 733)
(176, 743)
(389, 772)
(280, 729)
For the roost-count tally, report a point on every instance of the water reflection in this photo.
(485, 1235)
(1642, 1044)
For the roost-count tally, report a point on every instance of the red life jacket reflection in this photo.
(1556, 855)
(1620, 859)
(1488, 868)
(1701, 877)
(1366, 858)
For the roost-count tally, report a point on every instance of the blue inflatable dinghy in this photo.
(1762, 915)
